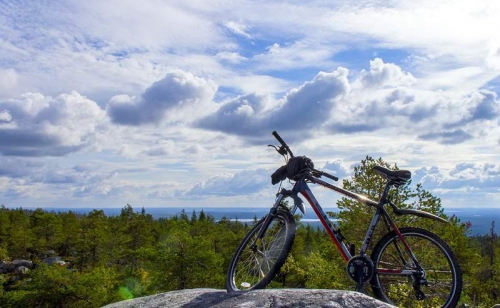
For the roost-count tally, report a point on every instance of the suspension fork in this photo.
(272, 212)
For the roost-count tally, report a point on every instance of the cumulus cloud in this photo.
(36, 125)
(441, 116)
(478, 176)
(385, 74)
(178, 90)
(485, 105)
(306, 107)
(429, 177)
(384, 97)
(338, 168)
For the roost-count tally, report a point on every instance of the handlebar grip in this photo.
(331, 177)
(323, 173)
(275, 134)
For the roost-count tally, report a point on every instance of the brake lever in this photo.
(281, 150)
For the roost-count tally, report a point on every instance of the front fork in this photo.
(272, 213)
(269, 217)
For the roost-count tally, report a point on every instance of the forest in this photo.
(89, 260)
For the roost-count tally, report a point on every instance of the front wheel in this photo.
(431, 279)
(256, 262)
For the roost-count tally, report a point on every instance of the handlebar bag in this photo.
(278, 175)
(297, 164)
(294, 167)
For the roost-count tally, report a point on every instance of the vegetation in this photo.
(111, 258)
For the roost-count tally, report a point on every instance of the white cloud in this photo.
(306, 107)
(40, 126)
(5, 117)
(178, 91)
(464, 176)
(296, 55)
(238, 29)
(243, 182)
(493, 58)
(338, 168)
(152, 25)
(8, 80)
(385, 75)
(232, 57)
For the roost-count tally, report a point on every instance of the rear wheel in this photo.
(436, 281)
(256, 262)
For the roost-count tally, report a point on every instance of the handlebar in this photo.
(283, 143)
(285, 149)
(327, 175)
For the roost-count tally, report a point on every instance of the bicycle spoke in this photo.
(260, 258)
(402, 281)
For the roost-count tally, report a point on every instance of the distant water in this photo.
(480, 218)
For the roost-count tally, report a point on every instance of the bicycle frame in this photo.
(348, 253)
(335, 235)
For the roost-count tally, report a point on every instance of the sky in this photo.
(159, 103)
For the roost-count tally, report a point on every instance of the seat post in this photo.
(383, 198)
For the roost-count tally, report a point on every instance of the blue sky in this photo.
(172, 103)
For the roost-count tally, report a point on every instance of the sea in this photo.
(480, 219)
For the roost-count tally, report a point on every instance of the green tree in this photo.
(202, 216)
(20, 237)
(136, 232)
(4, 232)
(71, 230)
(47, 230)
(53, 286)
(91, 242)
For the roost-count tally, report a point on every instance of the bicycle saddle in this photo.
(398, 177)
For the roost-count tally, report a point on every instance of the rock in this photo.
(5, 267)
(11, 267)
(21, 270)
(53, 260)
(20, 262)
(279, 298)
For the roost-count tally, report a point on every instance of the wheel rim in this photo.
(438, 271)
(254, 264)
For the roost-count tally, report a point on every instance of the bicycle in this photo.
(407, 266)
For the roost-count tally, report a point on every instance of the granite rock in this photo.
(279, 298)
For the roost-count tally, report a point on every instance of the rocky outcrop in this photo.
(279, 298)
(15, 266)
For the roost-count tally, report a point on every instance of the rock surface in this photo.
(259, 298)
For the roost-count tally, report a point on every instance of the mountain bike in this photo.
(408, 266)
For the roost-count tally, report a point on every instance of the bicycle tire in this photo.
(247, 271)
(442, 271)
